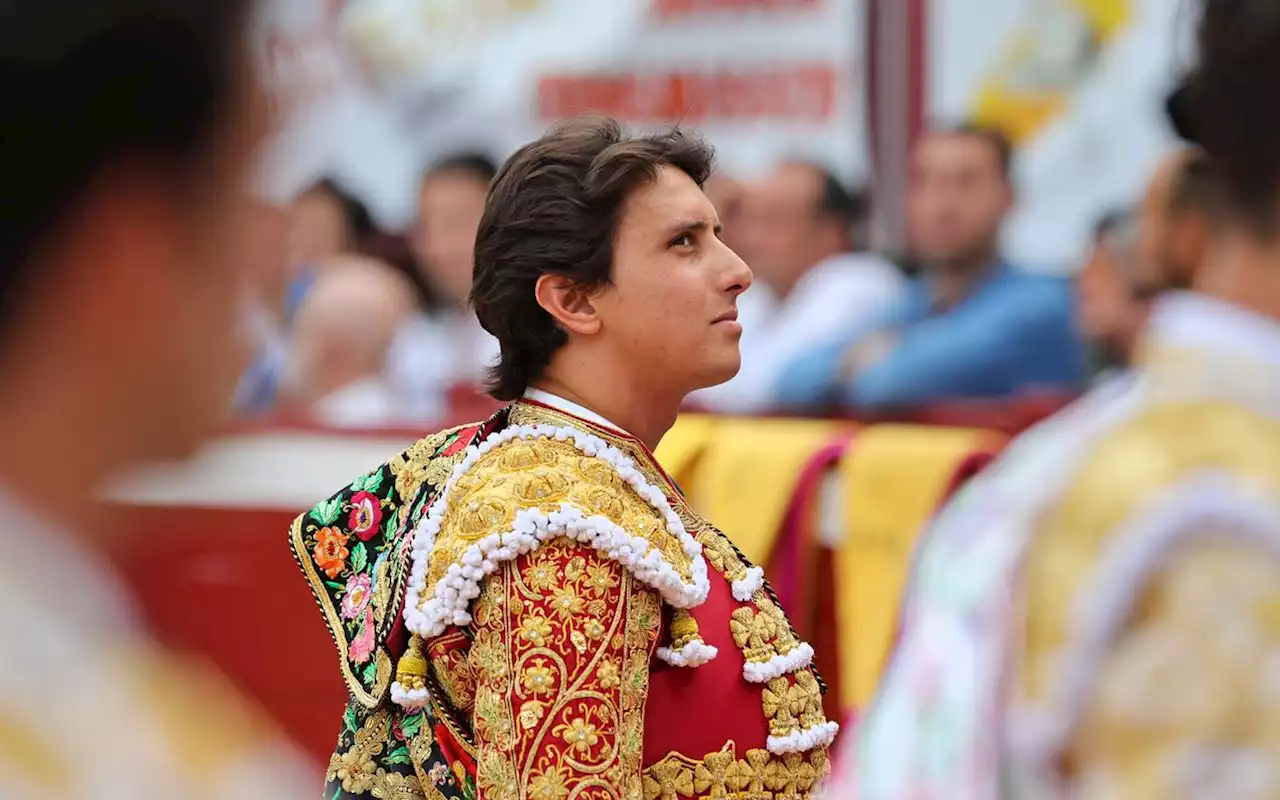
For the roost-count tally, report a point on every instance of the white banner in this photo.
(763, 79)
(1081, 86)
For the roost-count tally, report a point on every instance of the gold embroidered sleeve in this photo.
(561, 660)
(1186, 702)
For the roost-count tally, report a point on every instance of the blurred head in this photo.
(959, 195)
(600, 248)
(130, 130)
(727, 194)
(327, 221)
(450, 204)
(1229, 110)
(346, 324)
(1175, 218)
(1112, 311)
(798, 216)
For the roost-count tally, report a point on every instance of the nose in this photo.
(736, 275)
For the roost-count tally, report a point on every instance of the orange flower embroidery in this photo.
(331, 551)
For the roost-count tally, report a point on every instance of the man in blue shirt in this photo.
(972, 326)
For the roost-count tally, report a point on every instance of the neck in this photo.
(953, 280)
(1244, 272)
(618, 397)
(56, 452)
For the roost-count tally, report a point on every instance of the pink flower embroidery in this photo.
(366, 515)
(362, 646)
(358, 595)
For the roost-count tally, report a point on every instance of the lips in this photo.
(728, 316)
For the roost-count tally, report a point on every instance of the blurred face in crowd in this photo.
(1111, 312)
(957, 200)
(784, 232)
(449, 209)
(318, 228)
(671, 309)
(728, 196)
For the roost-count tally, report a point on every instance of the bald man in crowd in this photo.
(343, 331)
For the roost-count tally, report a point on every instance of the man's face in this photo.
(670, 312)
(1171, 242)
(782, 230)
(957, 200)
(449, 210)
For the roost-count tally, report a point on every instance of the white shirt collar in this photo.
(569, 407)
(1194, 320)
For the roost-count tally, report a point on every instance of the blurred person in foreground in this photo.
(1095, 615)
(972, 325)
(130, 130)
(343, 331)
(802, 232)
(569, 626)
(443, 347)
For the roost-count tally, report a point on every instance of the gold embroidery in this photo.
(759, 775)
(541, 474)
(394, 786)
(760, 628)
(566, 703)
(356, 768)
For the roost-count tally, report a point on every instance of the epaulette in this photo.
(352, 548)
(523, 486)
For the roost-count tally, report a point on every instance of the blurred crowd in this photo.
(372, 328)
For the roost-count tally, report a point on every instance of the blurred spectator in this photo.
(1110, 308)
(443, 346)
(728, 195)
(972, 325)
(130, 134)
(800, 231)
(326, 221)
(341, 336)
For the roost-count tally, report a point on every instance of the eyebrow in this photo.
(694, 226)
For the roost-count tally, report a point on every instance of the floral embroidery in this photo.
(366, 515)
(358, 596)
(331, 551)
(550, 784)
(362, 646)
(535, 629)
(538, 679)
(438, 774)
(567, 603)
(579, 734)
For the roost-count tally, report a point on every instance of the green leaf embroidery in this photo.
(359, 557)
(328, 511)
(399, 756)
(410, 726)
(370, 673)
(371, 482)
(447, 444)
(349, 720)
(336, 793)
(339, 587)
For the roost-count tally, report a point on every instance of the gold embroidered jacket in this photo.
(528, 608)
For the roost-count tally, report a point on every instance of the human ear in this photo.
(569, 303)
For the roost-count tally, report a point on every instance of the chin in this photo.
(720, 373)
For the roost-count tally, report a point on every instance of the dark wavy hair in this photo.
(554, 208)
(88, 86)
(1227, 105)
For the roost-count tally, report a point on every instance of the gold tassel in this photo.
(684, 629)
(411, 669)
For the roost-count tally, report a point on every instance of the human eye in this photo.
(682, 240)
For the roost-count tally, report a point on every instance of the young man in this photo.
(527, 607)
(130, 131)
(1095, 615)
